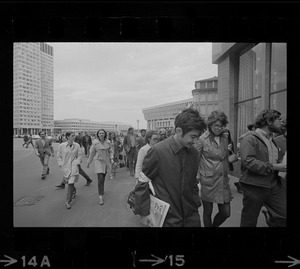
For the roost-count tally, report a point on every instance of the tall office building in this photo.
(33, 88)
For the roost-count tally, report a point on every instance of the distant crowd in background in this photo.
(186, 166)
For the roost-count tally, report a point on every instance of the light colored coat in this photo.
(68, 159)
(213, 169)
(101, 154)
(141, 156)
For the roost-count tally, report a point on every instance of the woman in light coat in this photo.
(69, 156)
(102, 153)
(213, 170)
(151, 138)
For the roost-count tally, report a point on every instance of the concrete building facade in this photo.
(163, 116)
(33, 84)
(84, 125)
(205, 96)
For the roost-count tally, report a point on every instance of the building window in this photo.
(251, 82)
(278, 78)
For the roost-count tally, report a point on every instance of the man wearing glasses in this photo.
(44, 149)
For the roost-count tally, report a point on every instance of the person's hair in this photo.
(188, 120)
(68, 134)
(41, 132)
(250, 126)
(143, 130)
(266, 115)
(130, 129)
(109, 136)
(162, 131)
(149, 135)
(105, 134)
(216, 116)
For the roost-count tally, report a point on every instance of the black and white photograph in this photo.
(149, 134)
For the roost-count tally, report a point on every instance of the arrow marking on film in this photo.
(157, 261)
(293, 262)
(10, 261)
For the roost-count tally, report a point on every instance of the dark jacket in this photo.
(255, 166)
(86, 140)
(78, 139)
(173, 172)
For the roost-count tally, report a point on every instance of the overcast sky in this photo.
(115, 81)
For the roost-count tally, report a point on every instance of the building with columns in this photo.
(84, 125)
(163, 116)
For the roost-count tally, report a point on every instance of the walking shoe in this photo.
(68, 205)
(101, 200)
(43, 176)
(60, 186)
(89, 181)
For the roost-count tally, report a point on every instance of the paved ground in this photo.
(50, 211)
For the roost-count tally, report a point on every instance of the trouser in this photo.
(87, 150)
(101, 179)
(27, 144)
(45, 161)
(71, 190)
(254, 197)
(132, 157)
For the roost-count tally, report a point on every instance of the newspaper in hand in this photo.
(158, 211)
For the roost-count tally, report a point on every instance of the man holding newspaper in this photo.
(171, 168)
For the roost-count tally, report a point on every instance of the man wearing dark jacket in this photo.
(259, 172)
(172, 167)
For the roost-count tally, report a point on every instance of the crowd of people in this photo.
(186, 167)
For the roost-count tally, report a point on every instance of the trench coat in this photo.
(68, 160)
(213, 169)
(101, 154)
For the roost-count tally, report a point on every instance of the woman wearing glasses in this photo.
(213, 170)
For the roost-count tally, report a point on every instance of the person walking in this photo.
(78, 140)
(162, 134)
(116, 147)
(141, 140)
(29, 141)
(69, 156)
(151, 139)
(102, 151)
(44, 149)
(87, 143)
(130, 144)
(172, 168)
(25, 138)
(259, 172)
(213, 170)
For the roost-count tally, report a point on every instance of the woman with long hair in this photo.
(102, 154)
(213, 169)
(116, 147)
